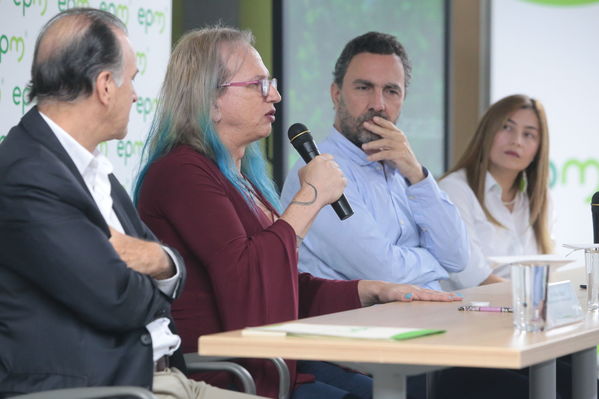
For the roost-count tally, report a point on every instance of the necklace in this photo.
(512, 202)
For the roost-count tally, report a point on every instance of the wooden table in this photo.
(473, 339)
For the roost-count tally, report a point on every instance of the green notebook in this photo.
(323, 330)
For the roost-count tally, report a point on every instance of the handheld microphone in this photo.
(301, 138)
(595, 212)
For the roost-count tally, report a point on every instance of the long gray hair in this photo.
(195, 73)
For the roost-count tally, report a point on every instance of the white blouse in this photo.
(516, 237)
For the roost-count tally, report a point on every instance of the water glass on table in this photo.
(529, 295)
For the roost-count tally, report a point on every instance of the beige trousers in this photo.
(173, 384)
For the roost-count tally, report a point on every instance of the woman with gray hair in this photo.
(204, 190)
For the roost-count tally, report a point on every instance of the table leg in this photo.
(584, 374)
(389, 384)
(431, 383)
(541, 384)
(390, 380)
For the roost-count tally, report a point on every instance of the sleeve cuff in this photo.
(169, 285)
(424, 172)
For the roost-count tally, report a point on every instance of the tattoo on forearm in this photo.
(306, 203)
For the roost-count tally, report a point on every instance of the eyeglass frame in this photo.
(265, 85)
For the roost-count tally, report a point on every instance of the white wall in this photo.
(149, 26)
(551, 53)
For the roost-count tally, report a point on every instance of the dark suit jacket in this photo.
(71, 312)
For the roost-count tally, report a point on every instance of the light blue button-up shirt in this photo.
(401, 233)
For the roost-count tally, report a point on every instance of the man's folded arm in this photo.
(53, 244)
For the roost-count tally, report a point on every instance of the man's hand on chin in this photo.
(393, 146)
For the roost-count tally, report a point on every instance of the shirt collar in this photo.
(491, 186)
(80, 156)
(349, 149)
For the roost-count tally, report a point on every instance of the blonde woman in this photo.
(500, 186)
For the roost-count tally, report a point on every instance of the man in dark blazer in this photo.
(83, 282)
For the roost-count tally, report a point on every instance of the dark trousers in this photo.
(465, 383)
(332, 382)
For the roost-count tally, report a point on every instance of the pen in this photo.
(507, 309)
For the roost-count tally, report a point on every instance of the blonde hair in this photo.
(196, 69)
(475, 161)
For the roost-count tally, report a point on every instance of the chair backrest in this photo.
(197, 363)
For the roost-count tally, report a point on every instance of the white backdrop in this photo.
(149, 26)
(550, 52)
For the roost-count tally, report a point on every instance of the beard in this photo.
(353, 128)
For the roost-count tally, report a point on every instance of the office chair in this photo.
(195, 363)
(90, 393)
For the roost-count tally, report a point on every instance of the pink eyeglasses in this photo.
(264, 84)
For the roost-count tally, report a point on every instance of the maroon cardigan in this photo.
(241, 267)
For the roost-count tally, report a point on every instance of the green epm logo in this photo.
(127, 148)
(103, 148)
(119, 10)
(64, 5)
(19, 97)
(2, 138)
(151, 18)
(575, 168)
(146, 106)
(26, 4)
(13, 45)
(142, 61)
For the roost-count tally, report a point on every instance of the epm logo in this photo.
(148, 18)
(103, 148)
(2, 138)
(26, 4)
(126, 149)
(584, 170)
(14, 45)
(119, 10)
(64, 5)
(142, 61)
(146, 106)
(19, 97)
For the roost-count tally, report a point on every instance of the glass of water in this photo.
(591, 261)
(529, 295)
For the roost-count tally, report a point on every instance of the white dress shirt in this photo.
(516, 237)
(95, 169)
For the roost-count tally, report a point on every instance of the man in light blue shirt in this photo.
(404, 229)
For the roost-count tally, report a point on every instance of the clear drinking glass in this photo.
(529, 294)
(591, 261)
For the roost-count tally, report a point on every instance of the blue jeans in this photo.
(332, 382)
